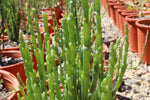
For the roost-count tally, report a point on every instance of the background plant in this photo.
(138, 5)
(3, 16)
(80, 80)
(13, 19)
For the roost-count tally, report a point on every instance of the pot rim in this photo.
(140, 23)
(127, 12)
(131, 19)
(115, 4)
(119, 6)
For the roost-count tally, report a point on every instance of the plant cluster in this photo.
(80, 79)
(138, 5)
(13, 18)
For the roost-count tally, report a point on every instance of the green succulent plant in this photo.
(80, 81)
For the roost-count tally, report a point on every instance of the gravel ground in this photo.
(136, 81)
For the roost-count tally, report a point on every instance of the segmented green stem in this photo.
(85, 79)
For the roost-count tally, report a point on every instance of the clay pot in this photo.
(143, 25)
(55, 10)
(117, 14)
(6, 49)
(108, 9)
(14, 68)
(5, 38)
(123, 13)
(112, 10)
(11, 83)
(11, 49)
(132, 32)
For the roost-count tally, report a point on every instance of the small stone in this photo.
(138, 82)
(1, 86)
(139, 72)
(135, 91)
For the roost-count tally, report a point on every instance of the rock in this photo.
(135, 91)
(138, 82)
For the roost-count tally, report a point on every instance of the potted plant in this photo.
(11, 19)
(76, 54)
(3, 15)
(7, 58)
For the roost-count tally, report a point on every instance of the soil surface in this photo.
(9, 44)
(136, 82)
(8, 61)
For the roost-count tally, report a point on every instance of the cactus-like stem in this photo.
(123, 65)
(85, 79)
(37, 29)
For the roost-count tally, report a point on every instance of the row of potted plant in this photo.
(136, 14)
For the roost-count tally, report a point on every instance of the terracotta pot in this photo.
(11, 83)
(11, 49)
(5, 38)
(15, 48)
(117, 14)
(102, 2)
(108, 9)
(14, 68)
(112, 10)
(124, 14)
(133, 45)
(123, 21)
(6, 48)
(143, 25)
(55, 10)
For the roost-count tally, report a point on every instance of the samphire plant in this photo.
(3, 15)
(13, 19)
(37, 4)
(81, 80)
